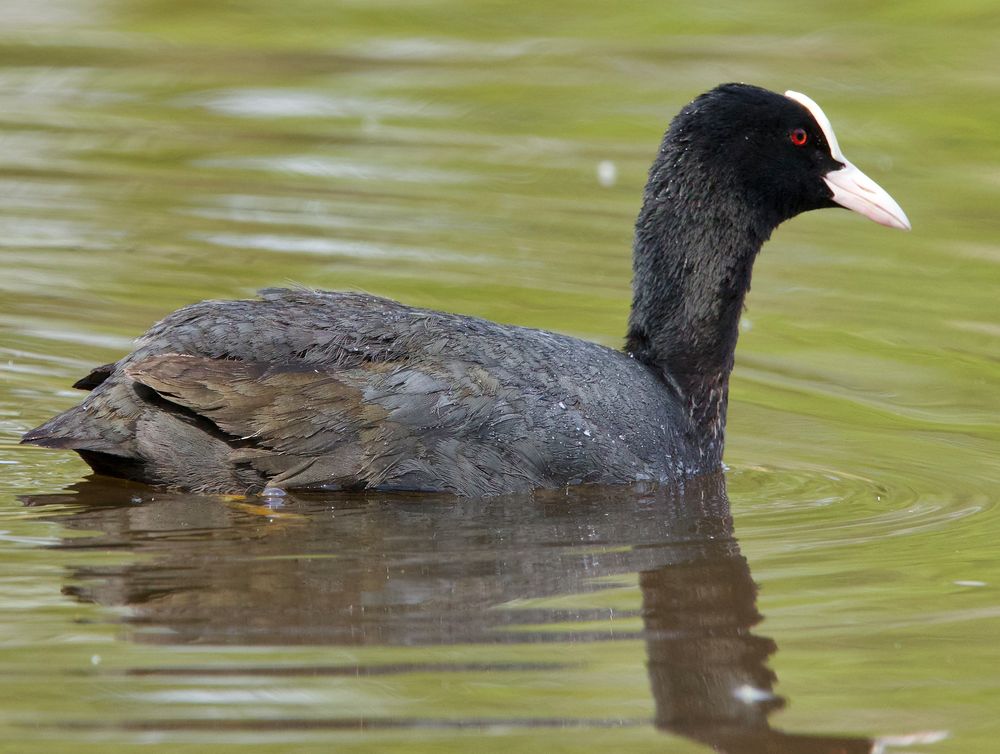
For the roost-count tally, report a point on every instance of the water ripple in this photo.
(332, 246)
(327, 167)
(284, 103)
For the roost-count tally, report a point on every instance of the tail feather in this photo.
(96, 377)
(121, 433)
(71, 430)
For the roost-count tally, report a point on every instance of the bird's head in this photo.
(774, 153)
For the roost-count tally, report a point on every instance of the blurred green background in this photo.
(450, 155)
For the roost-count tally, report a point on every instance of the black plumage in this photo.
(320, 390)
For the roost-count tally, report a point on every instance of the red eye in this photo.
(798, 136)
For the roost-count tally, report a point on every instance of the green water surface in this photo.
(488, 158)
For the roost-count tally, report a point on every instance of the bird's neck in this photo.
(693, 257)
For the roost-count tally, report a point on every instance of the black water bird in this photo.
(327, 390)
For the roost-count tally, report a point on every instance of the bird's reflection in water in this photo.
(383, 570)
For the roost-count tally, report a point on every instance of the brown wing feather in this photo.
(306, 427)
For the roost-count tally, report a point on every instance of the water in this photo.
(840, 586)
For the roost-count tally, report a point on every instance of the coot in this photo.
(304, 389)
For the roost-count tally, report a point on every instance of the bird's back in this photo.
(304, 389)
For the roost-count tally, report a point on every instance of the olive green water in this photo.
(448, 154)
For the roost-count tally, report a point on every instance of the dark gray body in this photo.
(341, 390)
(307, 389)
